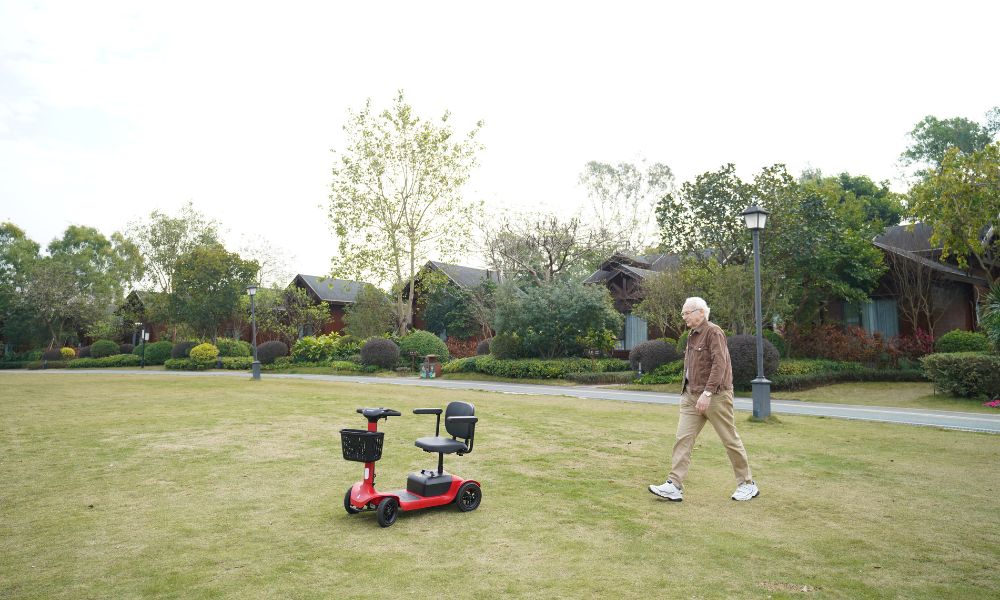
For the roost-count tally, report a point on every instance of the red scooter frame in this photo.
(465, 493)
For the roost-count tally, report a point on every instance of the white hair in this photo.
(697, 303)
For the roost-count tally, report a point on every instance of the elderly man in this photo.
(707, 395)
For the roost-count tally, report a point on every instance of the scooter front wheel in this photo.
(351, 510)
(469, 496)
(388, 508)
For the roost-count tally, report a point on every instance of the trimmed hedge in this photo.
(14, 364)
(206, 353)
(47, 364)
(182, 349)
(102, 348)
(423, 343)
(650, 355)
(53, 354)
(602, 378)
(237, 363)
(268, 352)
(966, 374)
(743, 354)
(380, 352)
(117, 360)
(67, 353)
(665, 374)
(232, 347)
(346, 365)
(125, 348)
(962, 341)
(186, 364)
(156, 353)
(534, 368)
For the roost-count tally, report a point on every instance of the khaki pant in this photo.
(720, 415)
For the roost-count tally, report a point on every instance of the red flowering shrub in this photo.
(461, 348)
(912, 347)
(835, 343)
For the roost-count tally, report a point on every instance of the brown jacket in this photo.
(706, 360)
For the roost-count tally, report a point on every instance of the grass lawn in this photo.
(117, 486)
(897, 394)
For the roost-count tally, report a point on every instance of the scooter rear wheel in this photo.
(388, 508)
(469, 496)
(351, 510)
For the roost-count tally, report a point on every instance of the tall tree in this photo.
(961, 203)
(622, 202)
(104, 267)
(933, 137)
(540, 247)
(703, 217)
(209, 284)
(162, 238)
(371, 315)
(396, 197)
(17, 255)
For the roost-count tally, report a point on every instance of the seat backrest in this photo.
(459, 409)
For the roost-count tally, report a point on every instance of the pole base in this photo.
(255, 369)
(761, 387)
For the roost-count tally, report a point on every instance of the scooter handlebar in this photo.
(374, 414)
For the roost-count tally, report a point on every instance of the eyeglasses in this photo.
(685, 313)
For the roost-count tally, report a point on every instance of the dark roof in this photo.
(465, 276)
(948, 271)
(914, 238)
(328, 289)
(640, 267)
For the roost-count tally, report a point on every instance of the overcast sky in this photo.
(111, 109)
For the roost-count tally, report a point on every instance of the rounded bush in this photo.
(483, 348)
(204, 353)
(743, 354)
(125, 348)
(67, 353)
(506, 345)
(84, 352)
(269, 351)
(651, 355)
(231, 347)
(156, 353)
(53, 354)
(380, 352)
(102, 348)
(962, 341)
(182, 349)
(423, 343)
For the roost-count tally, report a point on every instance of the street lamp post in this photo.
(142, 340)
(255, 367)
(756, 220)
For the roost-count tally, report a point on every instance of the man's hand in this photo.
(703, 401)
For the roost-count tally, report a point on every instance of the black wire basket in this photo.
(360, 445)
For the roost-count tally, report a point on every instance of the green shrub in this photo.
(672, 372)
(344, 365)
(125, 348)
(966, 374)
(116, 360)
(743, 354)
(380, 352)
(29, 356)
(14, 364)
(155, 353)
(316, 348)
(237, 363)
(460, 365)
(776, 340)
(648, 356)
(228, 347)
(536, 368)
(804, 373)
(206, 353)
(182, 349)
(423, 343)
(682, 341)
(67, 353)
(506, 346)
(268, 352)
(102, 348)
(53, 354)
(671, 341)
(602, 378)
(483, 348)
(47, 364)
(962, 341)
(186, 364)
(84, 352)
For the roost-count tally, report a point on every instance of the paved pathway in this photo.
(909, 416)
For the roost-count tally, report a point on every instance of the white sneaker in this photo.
(668, 490)
(746, 491)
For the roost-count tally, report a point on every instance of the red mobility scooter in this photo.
(424, 489)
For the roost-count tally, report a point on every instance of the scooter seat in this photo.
(441, 444)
